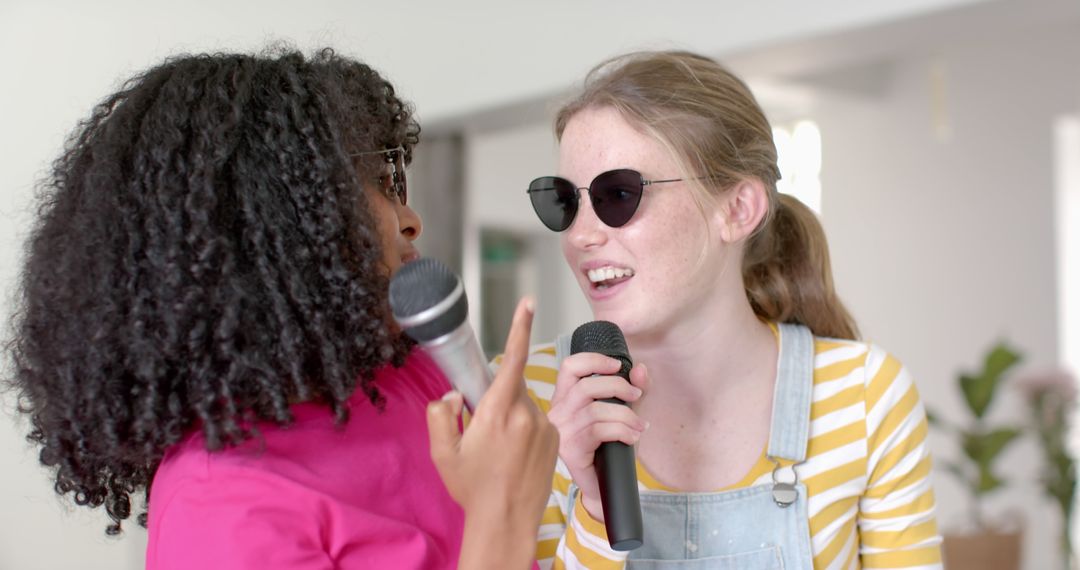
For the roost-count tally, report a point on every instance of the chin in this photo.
(626, 322)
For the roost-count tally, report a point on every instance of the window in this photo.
(1067, 224)
(799, 156)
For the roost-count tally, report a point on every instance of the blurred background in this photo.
(939, 140)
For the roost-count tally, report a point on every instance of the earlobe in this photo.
(742, 207)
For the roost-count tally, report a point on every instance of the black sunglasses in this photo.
(615, 196)
(393, 182)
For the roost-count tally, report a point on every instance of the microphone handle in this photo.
(459, 356)
(616, 472)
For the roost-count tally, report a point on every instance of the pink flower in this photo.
(1056, 381)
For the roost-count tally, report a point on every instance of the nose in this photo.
(409, 222)
(587, 231)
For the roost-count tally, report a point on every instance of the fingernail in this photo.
(452, 394)
(646, 425)
(637, 391)
(530, 304)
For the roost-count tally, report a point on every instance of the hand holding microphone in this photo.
(597, 429)
(499, 470)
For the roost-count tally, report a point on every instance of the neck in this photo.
(719, 351)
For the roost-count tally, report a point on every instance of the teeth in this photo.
(608, 273)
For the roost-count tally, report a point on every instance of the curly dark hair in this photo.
(203, 256)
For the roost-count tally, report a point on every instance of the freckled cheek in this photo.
(676, 250)
(568, 252)
(669, 235)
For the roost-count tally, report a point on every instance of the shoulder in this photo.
(863, 367)
(188, 467)
(419, 374)
(836, 359)
(858, 370)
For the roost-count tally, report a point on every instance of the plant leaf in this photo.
(979, 389)
(987, 482)
(983, 448)
(1000, 359)
(996, 440)
(978, 392)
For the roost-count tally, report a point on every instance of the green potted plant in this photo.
(988, 545)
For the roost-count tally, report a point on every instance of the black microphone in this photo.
(616, 470)
(429, 304)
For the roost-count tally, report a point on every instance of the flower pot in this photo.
(985, 551)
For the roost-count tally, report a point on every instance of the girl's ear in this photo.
(741, 209)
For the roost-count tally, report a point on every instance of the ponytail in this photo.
(787, 275)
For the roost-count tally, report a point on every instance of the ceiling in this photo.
(476, 64)
(791, 74)
(452, 59)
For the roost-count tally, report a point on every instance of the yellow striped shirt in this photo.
(869, 500)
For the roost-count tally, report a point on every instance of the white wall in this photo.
(942, 247)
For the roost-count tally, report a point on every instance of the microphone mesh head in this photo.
(601, 337)
(420, 285)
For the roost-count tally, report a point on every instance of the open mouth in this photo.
(604, 277)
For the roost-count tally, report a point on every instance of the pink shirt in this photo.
(364, 495)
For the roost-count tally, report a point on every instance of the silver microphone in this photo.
(429, 304)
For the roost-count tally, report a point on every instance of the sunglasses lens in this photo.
(402, 188)
(555, 201)
(398, 177)
(615, 196)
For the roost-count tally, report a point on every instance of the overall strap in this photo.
(562, 349)
(792, 396)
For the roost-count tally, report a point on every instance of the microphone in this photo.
(429, 304)
(615, 467)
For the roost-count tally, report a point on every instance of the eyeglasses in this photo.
(615, 196)
(393, 182)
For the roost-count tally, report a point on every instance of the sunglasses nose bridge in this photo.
(588, 190)
(587, 230)
(591, 207)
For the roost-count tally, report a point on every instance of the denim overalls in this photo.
(761, 527)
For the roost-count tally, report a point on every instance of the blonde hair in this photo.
(708, 119)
